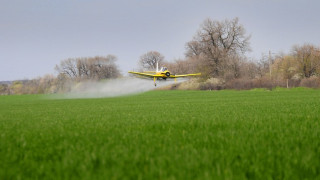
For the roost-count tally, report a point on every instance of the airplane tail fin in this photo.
(157, 68)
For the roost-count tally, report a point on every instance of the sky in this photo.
(35, 35)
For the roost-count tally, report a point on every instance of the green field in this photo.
(163, 135)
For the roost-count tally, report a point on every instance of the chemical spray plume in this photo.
(111, 88)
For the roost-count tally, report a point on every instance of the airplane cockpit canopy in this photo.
(163, 69)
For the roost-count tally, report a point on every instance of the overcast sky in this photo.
(35, 35)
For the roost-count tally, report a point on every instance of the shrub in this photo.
(212, 84)
(312, 82)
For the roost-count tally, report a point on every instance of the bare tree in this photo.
(149, 60)
(181, 66)
(251, 70)
(308, 57)
(89, 68)
(68, 67)
(217, 41)
(263, 66)
(234, 65)
(193, 49)
(102, 67)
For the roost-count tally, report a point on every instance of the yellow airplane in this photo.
(164, 73)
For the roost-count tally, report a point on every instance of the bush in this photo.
(212, 84)
(192, 84)
(312, 82)
(264, 82)
(245, 84)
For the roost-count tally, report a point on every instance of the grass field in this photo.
(163, 135)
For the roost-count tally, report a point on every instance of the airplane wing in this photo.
(145, 74)
(184, 75)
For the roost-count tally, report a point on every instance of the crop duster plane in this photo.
(163, 74)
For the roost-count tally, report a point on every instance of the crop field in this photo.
(255, 134)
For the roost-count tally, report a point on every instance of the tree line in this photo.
(217, 50)
(70, 72)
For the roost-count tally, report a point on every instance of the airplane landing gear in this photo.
(154, 80)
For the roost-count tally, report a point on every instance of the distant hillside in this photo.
(10, 82)
(6, 82)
